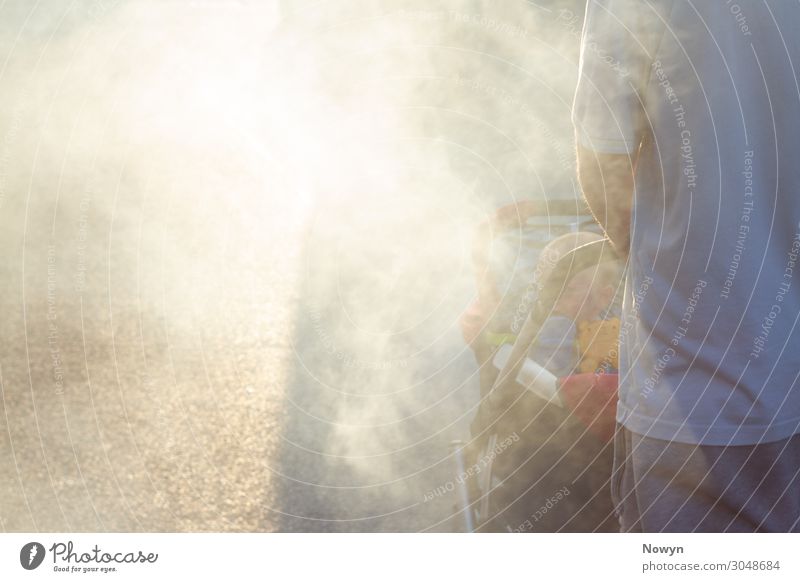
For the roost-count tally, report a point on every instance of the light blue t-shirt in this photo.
(709, 95)
(555, 346)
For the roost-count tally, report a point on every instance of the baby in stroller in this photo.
(587, 297)
(556, 475)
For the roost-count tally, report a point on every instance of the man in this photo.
(687, 118)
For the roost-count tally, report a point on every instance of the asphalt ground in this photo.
(243, 398)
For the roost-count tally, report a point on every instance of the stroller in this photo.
(536, 463)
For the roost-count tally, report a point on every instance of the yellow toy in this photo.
(598, 342)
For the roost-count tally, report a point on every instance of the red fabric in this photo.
(592, 398)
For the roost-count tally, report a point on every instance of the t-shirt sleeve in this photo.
(619, 37)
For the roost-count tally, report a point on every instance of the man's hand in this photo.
(607, 184)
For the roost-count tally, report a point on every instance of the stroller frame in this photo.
(474, 500)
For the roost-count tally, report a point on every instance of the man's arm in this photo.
(607, 184)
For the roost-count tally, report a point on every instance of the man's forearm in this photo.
(607, 184)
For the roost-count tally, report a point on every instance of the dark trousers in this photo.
(666, 486)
